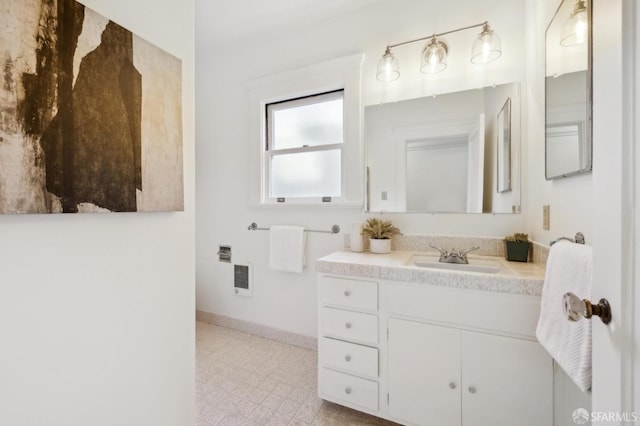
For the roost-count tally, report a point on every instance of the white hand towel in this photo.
(286, 248)
(569, 269)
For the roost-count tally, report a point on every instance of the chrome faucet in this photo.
(454, 256)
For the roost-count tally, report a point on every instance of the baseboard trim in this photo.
(258, 330)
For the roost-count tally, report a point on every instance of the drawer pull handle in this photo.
(348, 325)
(472, 389)
(452, 385)
(347, 358)
(347, 390)
(347, 293)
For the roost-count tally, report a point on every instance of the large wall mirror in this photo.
(568, 108)
(452, 153)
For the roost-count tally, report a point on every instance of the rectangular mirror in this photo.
(568, 103)
(445, 154)
(504, 148)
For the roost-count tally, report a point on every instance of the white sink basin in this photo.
(485, 266)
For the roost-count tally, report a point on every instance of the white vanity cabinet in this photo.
(348, 358)
(422, 354)
(447, 377)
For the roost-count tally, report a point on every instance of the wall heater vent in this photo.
(243, 279)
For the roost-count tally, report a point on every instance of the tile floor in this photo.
(243, 379)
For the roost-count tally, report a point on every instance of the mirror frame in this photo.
(588, 127)
(503, 148)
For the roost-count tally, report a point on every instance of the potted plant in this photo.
(516, 247)
(379, 232)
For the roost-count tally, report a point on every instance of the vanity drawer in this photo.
(349, 293)
(349, 325)
(349, 357)
(513, 314)
(349, 389)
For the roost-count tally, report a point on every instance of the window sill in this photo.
(293, 205)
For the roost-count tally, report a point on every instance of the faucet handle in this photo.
(465, 251)
(443, 252)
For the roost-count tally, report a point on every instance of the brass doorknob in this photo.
(576, 308)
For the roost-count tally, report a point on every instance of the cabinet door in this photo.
(505, 381)
(424, 373)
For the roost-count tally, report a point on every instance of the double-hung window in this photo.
(304, 148)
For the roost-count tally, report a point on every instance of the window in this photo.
(304, 143)
(305, 128)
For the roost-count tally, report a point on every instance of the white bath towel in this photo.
(569, 269)
(286, 248)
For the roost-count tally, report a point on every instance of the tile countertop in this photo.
(513, 277)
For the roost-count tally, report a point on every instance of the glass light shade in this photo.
(434, 56)
(487, 47)
(388, 68)
(574, 30)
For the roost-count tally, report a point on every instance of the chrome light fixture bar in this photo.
(486, 48)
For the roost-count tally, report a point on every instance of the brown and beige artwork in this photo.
(90, 114)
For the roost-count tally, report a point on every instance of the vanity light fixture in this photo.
(574, 30)
(486, 48)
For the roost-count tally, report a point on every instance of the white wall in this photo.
(570, 199)
(96, 310)
(288, 301)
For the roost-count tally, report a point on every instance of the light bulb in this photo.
(581, 27)
(486, 50)
(433, 59)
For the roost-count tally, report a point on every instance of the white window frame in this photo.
(271, 153)
(342, 73)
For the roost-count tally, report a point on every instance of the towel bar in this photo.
(334, 229)
(579, 239)
(575, 308)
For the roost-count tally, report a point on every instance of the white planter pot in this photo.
(379, 246)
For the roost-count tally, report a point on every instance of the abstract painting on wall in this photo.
(90, 114)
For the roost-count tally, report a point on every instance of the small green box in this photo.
(517, 251)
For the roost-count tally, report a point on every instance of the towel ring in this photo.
(576, 308)
(579, 239)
